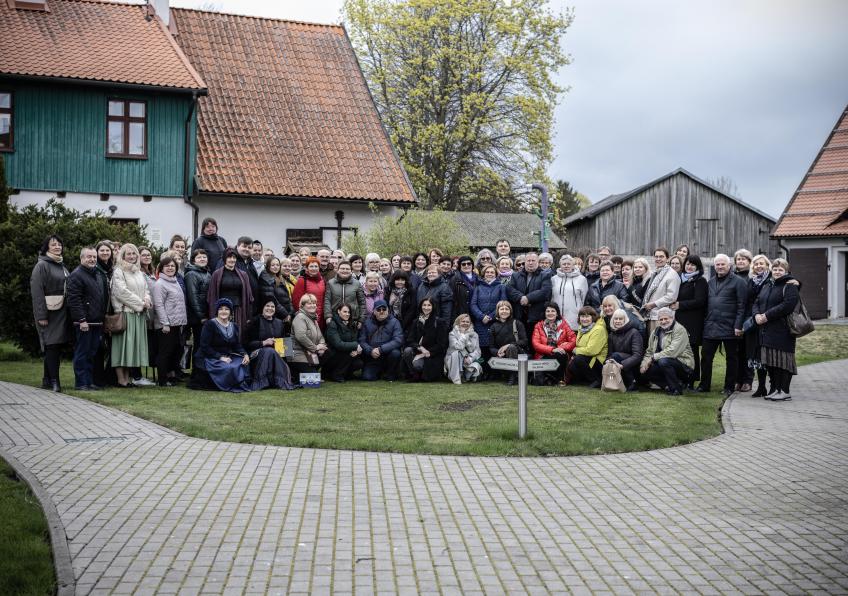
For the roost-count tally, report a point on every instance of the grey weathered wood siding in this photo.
(676, 211)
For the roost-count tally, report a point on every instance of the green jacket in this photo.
(675, 345)
(593, 343)
(341, 337)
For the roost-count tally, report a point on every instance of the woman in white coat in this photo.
(568, 290)
(130, 296)
(463, 352)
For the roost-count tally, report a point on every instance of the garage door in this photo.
(809, 266)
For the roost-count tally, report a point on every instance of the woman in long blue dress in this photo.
(222, 362)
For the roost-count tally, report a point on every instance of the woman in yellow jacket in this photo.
(591, 351)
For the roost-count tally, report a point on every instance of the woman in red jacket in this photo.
(311, 282)
(553, 339)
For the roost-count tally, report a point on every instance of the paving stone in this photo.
(760, 508)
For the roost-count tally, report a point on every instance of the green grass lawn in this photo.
(477, 419)
(26, 566)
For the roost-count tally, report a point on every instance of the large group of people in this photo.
(243, 319)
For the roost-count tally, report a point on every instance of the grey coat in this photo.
(169, 302)
(48, 279)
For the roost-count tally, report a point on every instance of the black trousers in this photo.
(340, 365)
(696, 354)
(51, 363)
(731, 352)
(169, 349)
(668, 373)
(744, 375)
(580, 370)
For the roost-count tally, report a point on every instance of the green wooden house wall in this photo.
(60, 141)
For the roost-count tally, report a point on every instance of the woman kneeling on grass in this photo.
(222, 363)
(553, 339)
(508, 337)
(591, 350)
(426, 344)
(461, 361)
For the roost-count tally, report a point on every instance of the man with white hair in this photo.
(668, 361)
(727, 295)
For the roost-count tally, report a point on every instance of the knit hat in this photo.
(224, 302)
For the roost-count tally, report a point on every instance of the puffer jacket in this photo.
(441, 295)
(675, 345)
(278, 293)
(169, 302)
(776, 301)
(129, 290)
(627, 340)
(386, 335)
(726, 298)
(569, 291)
(306, 335)
(567, 340)
(197, 287)
(342, 337)
(347, 291)
(597, 293)
(593, 343)
(483, 302)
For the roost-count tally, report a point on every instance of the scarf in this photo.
(684, 277)
(505, 278)
(656, 278)
(759, 278)
(552, 331)
(585, 329)
(54, 258)
(396, 300)
(423, 318)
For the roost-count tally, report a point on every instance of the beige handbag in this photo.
(612, 380)
(55, 302)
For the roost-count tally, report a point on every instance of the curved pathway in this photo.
(762, 508)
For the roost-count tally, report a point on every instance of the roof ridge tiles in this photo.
(248, 16)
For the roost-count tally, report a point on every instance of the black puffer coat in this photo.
(196, 290)
(597, 293)
(269, 290)
(440, 294)
(626, 340)
(692, 308)
(501, 333)
(726, 297)
(776, 300)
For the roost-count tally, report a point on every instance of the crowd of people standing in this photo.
(243, 319)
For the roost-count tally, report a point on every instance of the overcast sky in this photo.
(746, 89)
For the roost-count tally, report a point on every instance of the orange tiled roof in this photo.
(94, 41)
(288, 113)
(820, 205)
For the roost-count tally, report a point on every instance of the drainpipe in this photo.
(187, 167)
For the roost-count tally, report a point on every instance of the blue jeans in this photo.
(84, 351)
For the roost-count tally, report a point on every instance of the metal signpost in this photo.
(522, 365)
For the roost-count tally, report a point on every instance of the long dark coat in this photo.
(692, 308)
(48, 279)
(433, 335)
(726, 297)
(776, 301)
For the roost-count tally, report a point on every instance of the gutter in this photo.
(187, 167)
(344, 201)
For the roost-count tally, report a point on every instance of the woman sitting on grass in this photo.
(345, 355)
(591, 350)
(461, 361)
(267, 367)
(222, 362)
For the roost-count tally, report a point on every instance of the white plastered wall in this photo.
(837, 254)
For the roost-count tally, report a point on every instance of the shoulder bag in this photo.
(799, 321)
(611, 375)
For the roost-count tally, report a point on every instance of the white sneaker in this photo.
(143, 382)
(778, 396)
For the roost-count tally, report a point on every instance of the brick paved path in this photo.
(763, 507)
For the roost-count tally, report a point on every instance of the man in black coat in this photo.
(726, 299)
(531, 292)
(87, 307)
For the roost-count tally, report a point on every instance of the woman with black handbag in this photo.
(775, 303)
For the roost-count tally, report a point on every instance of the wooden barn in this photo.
(678, 208)
(814, 228)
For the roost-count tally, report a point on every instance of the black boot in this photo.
(55, 386)
(512, 379)
(46, 383)
(761, 387)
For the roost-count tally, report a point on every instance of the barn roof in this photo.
(84, 40)
(613, 200)
(820, 205)
(289, 113)
(519, 229)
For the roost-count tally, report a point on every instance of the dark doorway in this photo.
(809, 266)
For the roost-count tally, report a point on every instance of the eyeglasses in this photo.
(485, 258)
(466, 264)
